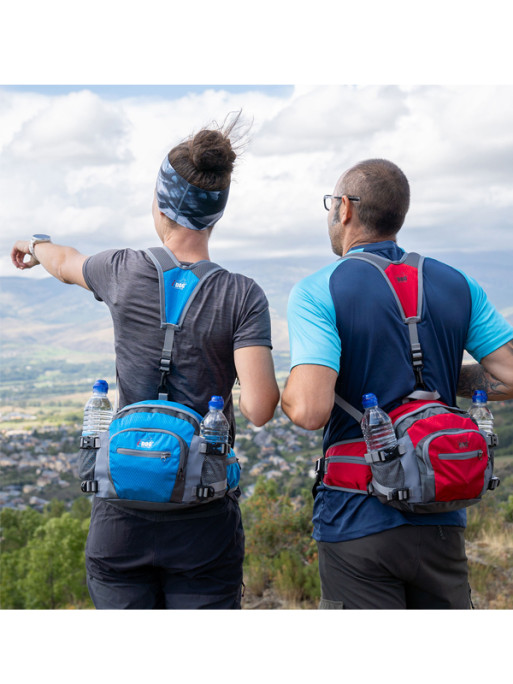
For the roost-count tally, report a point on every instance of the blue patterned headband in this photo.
(187, 204)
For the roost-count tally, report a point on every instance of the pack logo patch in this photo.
(145, 443)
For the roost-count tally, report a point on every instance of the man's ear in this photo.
(346, 210)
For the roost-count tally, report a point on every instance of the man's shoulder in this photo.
(317, 279)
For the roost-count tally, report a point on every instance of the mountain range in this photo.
(44, 315)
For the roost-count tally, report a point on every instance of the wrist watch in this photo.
(35, 239)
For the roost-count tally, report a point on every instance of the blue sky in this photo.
(114, 91)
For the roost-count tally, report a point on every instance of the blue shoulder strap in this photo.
(178, 285)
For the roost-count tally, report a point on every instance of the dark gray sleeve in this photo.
(254, 324)
(98, 271)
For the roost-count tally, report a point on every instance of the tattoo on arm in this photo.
(474, 376)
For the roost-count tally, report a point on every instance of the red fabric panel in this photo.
(458, 478)
(350, 475)
(410, 406)
(432, 424)
(405, 281)
(350, 449)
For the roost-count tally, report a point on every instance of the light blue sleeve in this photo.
(488, 329)
(313, 334)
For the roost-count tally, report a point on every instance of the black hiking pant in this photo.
(417, 567)
(151, 560)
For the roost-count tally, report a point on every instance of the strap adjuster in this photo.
(205, 491)
(492, 439)
(89, 486)
(215, 448)
(416, 355)
(385, 455)
(398, 495)
(165, 365)
(494, 483)
(89, 442)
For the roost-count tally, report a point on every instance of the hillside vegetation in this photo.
(42, 564)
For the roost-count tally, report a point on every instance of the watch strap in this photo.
(33, 242)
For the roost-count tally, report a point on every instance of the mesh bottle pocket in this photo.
(86, 463)
(389, 474)
(213, 469)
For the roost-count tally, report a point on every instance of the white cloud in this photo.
(75, 129)
(332, 117)
(82, 166)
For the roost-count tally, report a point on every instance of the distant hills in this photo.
(45, 316)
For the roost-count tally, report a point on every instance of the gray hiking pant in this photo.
(417, 567)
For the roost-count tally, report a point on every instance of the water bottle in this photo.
(98, 410)
(377, 427)
(214, 428)
(480, 412)
(214, 431)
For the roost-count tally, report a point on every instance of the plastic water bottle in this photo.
(98, 410)
(214, 428)
(480, 412)
(377, 427)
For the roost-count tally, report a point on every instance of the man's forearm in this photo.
(473, 376)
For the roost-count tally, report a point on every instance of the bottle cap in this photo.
(101, 386)
(369, 400)
(480, 396)
(216, 402)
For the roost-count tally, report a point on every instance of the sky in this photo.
(79, 162)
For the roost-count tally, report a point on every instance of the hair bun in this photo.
(212, 152)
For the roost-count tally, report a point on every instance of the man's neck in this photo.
(359, 239)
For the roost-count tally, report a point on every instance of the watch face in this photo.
(40, 236)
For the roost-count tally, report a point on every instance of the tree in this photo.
(42, 564)
(56, 565)
(280, 552)
(17, 527)
(54, 509)
(81, 508)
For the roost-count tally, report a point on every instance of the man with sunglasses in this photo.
(345, 340)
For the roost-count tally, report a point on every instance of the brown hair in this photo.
(384, 194)
(207, 158)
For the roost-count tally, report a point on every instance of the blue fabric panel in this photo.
(179, 284)
(311, 320)
(488, 330)
(154, 420)
(148, 473)
(233, 474)
(339, 516)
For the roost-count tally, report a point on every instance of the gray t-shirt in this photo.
(230, 311)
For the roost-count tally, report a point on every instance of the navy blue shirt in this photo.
(345, 317)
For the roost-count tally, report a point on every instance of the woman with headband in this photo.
(187, 559)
